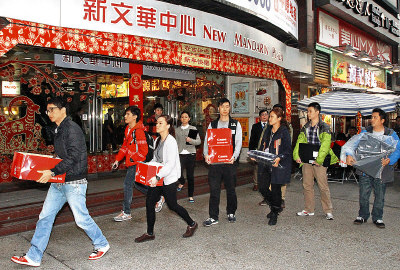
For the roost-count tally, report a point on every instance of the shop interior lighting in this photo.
(376, 61)
(396, 68)
(363, 56)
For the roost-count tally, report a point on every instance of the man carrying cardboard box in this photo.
(225, 172)
(70, 146)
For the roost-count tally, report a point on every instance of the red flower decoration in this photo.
(23, 81)
(24, 70)
(69, 99)
(83, 97)
(47, 91)
(36, 90)
(37, 56)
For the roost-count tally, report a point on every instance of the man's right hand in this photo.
(207, 158)
(350, 160)
(298, 161)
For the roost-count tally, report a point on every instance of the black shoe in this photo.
(269, 214)
(379, 223)
(231, 218)
(273, 219)
(359, 221)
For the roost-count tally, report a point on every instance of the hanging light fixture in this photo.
(349, 51)
(387, 65)
(376, 61)
(363, 56)
(396, 68)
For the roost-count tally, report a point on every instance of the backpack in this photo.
(150, 145)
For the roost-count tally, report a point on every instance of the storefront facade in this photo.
(356, 49)
(102, 55)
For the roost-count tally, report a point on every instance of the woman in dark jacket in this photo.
(276, 140)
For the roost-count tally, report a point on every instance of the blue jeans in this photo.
(129, 183)
(367, 183)
(57, 196)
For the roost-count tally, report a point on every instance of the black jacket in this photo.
(70, 146)
(255, 135)
(282, 141)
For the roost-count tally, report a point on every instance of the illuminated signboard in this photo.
(10, 89)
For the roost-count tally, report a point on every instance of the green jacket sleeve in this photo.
(325, 139)
(301, 139)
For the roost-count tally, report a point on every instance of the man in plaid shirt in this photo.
(315, 131)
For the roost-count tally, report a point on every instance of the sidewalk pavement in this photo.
(294, 243)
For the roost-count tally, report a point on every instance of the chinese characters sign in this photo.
(282, 13)
(156, 19)
(91, 63)
(346, 70)
(334, 33)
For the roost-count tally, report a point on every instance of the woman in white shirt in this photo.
(187, 152)
(166, 152)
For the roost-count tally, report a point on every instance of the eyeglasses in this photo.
(50, 110)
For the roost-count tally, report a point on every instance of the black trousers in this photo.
(169, 192)
(187, 162)
(273, 195)
(217, 174)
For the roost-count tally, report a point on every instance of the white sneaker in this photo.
(122, 217)
(304, 213)
(98, 253)
(159, 204)
(329, 216)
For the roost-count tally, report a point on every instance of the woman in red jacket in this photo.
(134, 149)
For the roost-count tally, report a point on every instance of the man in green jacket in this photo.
(315, 131)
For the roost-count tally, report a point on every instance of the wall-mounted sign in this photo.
(376, 16)
(347, 70)
(334, 32)
(163, 21)
(10, 89)
(91, 63)
(170, 73)
(282, 13)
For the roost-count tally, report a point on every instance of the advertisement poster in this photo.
(240, 98)
(244, 122)
(263, 96)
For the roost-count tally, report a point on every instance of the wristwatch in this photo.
(158, 178)
(53, 174)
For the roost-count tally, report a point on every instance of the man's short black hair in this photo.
(262, 111)
(158, 105)
(278, 106)
(59, 102)
(134, 110)
(315, 105)
(222, 101)
(381, 112)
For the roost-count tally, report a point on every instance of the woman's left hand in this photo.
(188, 139)
(276, 162)
(153, 182)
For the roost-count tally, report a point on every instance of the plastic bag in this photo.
(368, 150)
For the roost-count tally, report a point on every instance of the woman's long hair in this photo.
(171, 129)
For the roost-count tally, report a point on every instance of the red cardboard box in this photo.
(220, 154)
(146, 171)
(219, 141)
(25, 166)
(219, 137)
